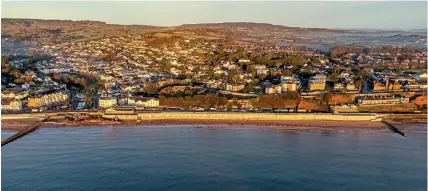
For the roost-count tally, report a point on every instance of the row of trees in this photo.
(335, 99)
(339, 51)
(11, 74)
(287, 100)
(70, 80)
(208, 100)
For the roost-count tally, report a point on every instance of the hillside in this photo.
(37, 31)
(57, 31)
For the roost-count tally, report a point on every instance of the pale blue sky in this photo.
(334, 14)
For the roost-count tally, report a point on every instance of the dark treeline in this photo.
(338, 51)
(208, 100)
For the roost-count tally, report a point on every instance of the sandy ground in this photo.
(307, 125)
(17, 124)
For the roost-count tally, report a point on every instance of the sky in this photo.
(328, 14)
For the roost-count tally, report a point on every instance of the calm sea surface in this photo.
(183, 158)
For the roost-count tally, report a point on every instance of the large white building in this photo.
(144, 101)
(107, 102)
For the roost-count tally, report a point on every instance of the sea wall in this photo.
(121, 117)
(253, 116)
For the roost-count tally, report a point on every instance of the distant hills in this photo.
(57, 31)
(405, 37)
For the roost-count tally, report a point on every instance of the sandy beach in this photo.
(290, 125)
(17, 124)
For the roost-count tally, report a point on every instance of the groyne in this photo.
(23, 132)
(394, 129)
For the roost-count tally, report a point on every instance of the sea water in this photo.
(186, 158)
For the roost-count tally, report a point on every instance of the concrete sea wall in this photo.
(253, 116)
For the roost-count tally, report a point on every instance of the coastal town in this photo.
(163, 71)
(214, 95)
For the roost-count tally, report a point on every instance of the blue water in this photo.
(183, 158)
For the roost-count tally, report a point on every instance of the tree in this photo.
(28, 78)
(249, 88)
(222, 101)
(262, 77)
(19, 81)
(5, 64)
(421, 101)
(316, 60)
(359, 83)
(291, 98)
(334, 77)
(235, 102)
(67, 103)
(56, 76)
(229, 105)
(239, 105)
(188, 92)
(306, 105)
(150, 89)
(341, 99)
(325, 98)
(16, 73)
(88, 101)
(336, 69)
(288, 73)
(83, 82)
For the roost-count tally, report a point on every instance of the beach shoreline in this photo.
(296, 125)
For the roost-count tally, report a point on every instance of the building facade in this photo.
(107, 102)
(144, 101)
(382, 100)
(11, 105)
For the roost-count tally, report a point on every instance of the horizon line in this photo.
(334, 28)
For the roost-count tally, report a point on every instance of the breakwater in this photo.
(24, 132)
(394, 129)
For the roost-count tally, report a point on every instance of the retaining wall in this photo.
(254, 116)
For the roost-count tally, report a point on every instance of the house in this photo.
(36, 101)
(317, 82)
(11, 105)
(378, 86)
(338, 86)
(235, 88)
(351, 86)
(276, 73)
(262, 71)
(120, 111)
(109, 84)
(123, 100)
(272, 89)
(144, 101)
(290, 85)
(394, 86)
(382, 100)
(162, 83)
(344, 75)
(14, 94)
(107, 102)
(243, 61)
